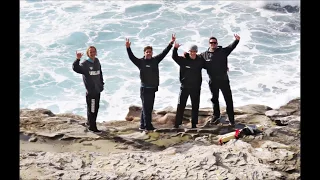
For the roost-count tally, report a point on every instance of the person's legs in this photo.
(214, 88)
(96, 110)
(227, 94)
(142, 122)
(195, 101)
(183, 97)
(92, 111)
(148, 96)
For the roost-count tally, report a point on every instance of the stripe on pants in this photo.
(179, 99)
(92, 105)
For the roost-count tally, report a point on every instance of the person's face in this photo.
(92, 53)
(213, 43)
(148, 53)
(193, 54)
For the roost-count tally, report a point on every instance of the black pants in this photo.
(147, 96)
(224, 85)
(92, 110)
(195, 101)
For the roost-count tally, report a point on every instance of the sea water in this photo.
(263, 69)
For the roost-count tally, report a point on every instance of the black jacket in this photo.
(91, 74)
(216, 63)
(149, 69)
(190, 70)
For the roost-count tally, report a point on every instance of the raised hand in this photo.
(173, 38)
(79, 55)
(177, 45)
(237, 36)
(128, 43)
(184, 54)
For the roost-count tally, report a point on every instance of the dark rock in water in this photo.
(292, 9)
(285, 9)
(294, 26)
(291, 27)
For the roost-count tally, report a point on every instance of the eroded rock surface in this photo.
(166, 153)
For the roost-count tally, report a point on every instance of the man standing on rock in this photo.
(216, 64)
(191, 80)
(149, 76)
(93, 81)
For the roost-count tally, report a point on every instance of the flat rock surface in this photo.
(58, 146)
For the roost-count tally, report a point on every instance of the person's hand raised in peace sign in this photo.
(79, 55)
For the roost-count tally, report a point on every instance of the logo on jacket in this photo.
(93, 73)
(209, 57)
(91, 68)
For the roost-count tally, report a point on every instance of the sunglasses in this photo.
(213, 42)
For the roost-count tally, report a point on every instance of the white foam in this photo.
(47, 51)
(260, 4)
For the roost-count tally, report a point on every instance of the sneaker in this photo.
(176, 126)
(215, 119)
(94, 130)
(232, 124)
(151, 128)
(97, 131)
(142, 128)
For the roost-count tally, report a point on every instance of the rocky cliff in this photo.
(58, 146)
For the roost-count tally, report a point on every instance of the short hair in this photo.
(89, 49)
(213, 38)
(146, 48)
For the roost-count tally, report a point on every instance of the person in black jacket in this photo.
(191, 80)
(216, 64)
(149, 76)
(93, 81)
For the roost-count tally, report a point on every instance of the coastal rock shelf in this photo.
(58, 146)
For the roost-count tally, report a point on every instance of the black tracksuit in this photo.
(93, 81)
(190, 79)
(149, 76)
(216, 64)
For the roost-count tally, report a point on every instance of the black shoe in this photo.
(142, 128)
(215, 119)
(176, 126)
(194, 126)
(232, 124)
(151, 128)
(95, 130)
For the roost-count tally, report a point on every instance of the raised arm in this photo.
(178, 59)
(163, 54)
(132, 57)
(76, 64)
(232, 46)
